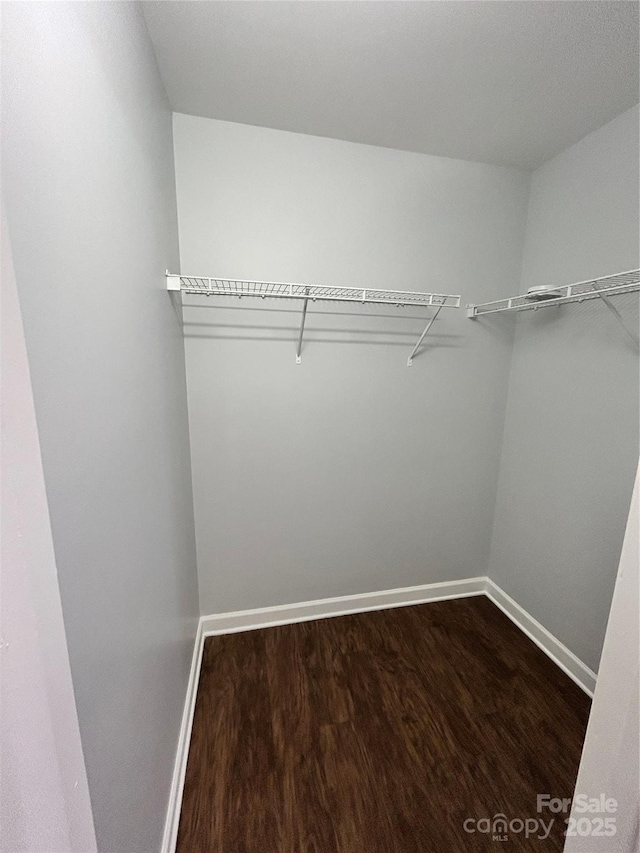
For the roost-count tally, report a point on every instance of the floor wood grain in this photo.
(379, 732)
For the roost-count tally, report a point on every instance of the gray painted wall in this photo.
(350, 472)
(571, 437)
(88, 176)
(45, 797)
(609, 761)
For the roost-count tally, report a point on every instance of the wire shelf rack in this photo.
(604, 287)
(212, 286)
(233, 287)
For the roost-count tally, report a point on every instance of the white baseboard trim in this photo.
(324, 608)
(170, 834)
(288, 614)
(550, 645)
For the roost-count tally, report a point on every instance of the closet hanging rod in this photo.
(593, 288)
(217, 286)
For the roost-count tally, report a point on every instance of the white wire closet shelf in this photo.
(610, 285)
(595, 288)
(214, 286)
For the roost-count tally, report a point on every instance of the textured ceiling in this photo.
(511, 83)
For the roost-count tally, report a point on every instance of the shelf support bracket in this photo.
(304, 316)
(173, 281)
(619, 318)
(423, 336)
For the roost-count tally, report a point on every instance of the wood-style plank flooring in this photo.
(378, 733)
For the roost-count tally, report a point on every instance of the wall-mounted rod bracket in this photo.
(304, 317)
(423, 336)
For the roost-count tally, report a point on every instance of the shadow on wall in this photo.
(360, 325)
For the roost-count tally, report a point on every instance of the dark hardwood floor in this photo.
(379, 733)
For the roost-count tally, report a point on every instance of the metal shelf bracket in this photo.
(423, 336)
(634, 337)
(304, 317)
(173, 281)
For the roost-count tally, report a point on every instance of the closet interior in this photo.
(267, 589)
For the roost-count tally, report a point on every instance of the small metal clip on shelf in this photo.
(595, 288)
(213, 286)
